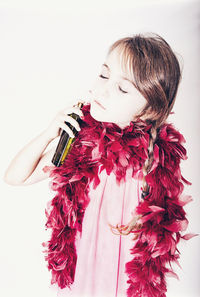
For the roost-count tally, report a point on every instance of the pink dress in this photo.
(102, 255)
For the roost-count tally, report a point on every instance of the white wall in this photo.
(50, 52)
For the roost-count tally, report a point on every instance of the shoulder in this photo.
(170, 133)
(167, 154)
(168, 149)
(171, 141)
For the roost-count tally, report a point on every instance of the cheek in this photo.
(130, 106)
(120, 108)
(137, 102)
(97, 85)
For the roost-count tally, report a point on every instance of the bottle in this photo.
(65, 142)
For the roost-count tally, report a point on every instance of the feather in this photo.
(189, 236)
(100, 146)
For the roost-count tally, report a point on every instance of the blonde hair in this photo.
(156, 74)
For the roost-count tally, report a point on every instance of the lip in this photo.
(97, 102)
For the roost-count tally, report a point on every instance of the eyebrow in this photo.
(123, 77)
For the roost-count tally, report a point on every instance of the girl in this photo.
(117, 214)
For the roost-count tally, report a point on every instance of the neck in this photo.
(120, 125)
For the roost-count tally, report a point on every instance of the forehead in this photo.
(118, 60)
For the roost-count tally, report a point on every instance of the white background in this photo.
(50, 52)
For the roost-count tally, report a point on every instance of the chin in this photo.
(96, 114)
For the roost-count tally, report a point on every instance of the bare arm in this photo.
(38, 174)
(27, 160)
(26, 167)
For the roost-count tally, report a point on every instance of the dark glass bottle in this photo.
(65, 142)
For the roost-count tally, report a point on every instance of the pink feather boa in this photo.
(99, 146)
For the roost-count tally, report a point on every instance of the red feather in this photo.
(101, 146)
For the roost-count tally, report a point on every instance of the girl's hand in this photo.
(58, 123)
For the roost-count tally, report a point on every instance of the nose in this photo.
(100, 97)
(99, 92)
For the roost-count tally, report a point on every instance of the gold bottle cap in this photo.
(80, 104)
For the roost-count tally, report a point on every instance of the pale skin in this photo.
(26, 167)
(113, 99)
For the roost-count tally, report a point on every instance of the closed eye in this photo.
(103, 76)
(122, 90)
(119, 86)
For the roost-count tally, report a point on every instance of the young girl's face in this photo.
(113, 96)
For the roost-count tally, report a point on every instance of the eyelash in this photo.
(119, 86)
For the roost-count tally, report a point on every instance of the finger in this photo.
(72, 121)
(75, 110)
(67, 129)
